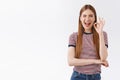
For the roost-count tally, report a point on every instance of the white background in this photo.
(34, 37)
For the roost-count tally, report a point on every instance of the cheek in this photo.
(93, 19)
(82, 20)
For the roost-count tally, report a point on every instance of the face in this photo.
(87, 18)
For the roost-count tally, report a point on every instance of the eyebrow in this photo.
(89, 14)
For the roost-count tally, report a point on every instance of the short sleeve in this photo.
(72, 40)
(105, 39)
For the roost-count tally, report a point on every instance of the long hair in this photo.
(81, 31)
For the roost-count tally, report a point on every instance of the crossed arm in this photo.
(72, 61)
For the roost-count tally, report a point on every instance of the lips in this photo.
(87, 24)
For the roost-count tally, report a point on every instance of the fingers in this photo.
(101, 21)
(105, 63)
(96, 25)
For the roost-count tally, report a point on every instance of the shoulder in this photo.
(74, 34)
(104, 32)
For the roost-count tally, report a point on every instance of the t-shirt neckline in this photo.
(87, 33)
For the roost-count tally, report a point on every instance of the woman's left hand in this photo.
(105, 63)
(99, 25)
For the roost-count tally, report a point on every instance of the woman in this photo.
(88, 47)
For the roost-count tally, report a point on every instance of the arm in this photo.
(72, 61)
(103, 49)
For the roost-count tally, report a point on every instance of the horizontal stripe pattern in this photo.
(88, 52)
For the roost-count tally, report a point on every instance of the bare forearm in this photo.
(81, 62)
(103, 49)
(72, 61)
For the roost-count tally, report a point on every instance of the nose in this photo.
(87, 18)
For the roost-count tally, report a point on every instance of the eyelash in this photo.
(89, 15)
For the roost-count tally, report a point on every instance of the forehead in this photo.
(87, 12)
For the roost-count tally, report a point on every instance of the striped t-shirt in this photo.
(88, 52)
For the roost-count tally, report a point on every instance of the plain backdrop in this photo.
(34, 37)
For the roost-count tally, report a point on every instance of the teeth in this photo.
(87, 23)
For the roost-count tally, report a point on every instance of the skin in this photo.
(87, 18)
(103, 49)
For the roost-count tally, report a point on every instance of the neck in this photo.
(88, 31)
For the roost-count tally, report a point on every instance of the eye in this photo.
(90, 15)
(84, 15)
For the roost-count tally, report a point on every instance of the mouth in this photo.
(87, 24)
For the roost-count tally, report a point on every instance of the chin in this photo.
(87, 27)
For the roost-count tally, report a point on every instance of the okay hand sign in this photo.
(99, 25)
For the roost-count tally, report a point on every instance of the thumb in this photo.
(95, 24)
